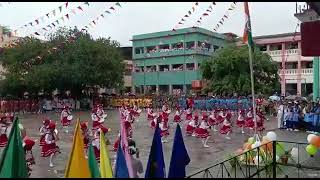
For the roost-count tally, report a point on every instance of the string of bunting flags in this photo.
(206, 13)
(41, 19)
(225, 16)
(52, 25)
(184, 18)
(73, 38)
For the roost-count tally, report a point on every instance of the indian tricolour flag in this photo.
(247, 35)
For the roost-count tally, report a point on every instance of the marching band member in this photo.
(221, 116)
(249, 123)
(163, 125)
(226, 128)
(85, 135)
(43, 130)
(189, 114)
(66, 118)
(150, 115)
(192, 125)
(28, 143)
(96, 142)
(154, 122)
(3, 132)
(212, 120)
(127, 124)
(50, 147)
(136, 110)
(165, 112)
(240, 121)
(100, 112)
(203, 133)
(97, 122)
(177, 116)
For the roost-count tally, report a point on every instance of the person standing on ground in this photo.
(280, 114)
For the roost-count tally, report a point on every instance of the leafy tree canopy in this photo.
(75, 65)
(228, 71)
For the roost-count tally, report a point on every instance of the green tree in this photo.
(76, 64)
(228, 71)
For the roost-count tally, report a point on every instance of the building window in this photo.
(164, 68)
(151, 49)
(191, 45)
(164, 48)
(292, 46)
(199, 65)
(139, 50)
(163, 89)
(139, 69)
(203, 45)
(291, 65)
(151, 68)
(275, 47)
(263, 48)
(177, 46)
(190, 66)
(177, 67)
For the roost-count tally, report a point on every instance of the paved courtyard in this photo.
(143, 134)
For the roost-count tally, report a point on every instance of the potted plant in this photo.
(285, 157)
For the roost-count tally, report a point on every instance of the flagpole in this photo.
(252, 91)
(250, 43)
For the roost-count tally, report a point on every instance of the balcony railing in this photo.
(279, 52)
(276, 159)
(307, 71)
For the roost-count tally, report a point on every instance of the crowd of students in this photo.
(299, 115)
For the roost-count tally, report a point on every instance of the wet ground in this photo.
(143, 134)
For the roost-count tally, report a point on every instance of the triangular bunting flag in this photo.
(36, 33)
(213, 3)
(67, 15)
(44, 29)
(230, 9)
(222, 19)
(210, 7)
(220, 22)
(37, 21)
(87, 27)
(87, 3)
(66, 4)
(218, 25)
(60, 8)
(208, 10)
(200, 18)
(79, 7)
(182, 19)
(25, 25)
(47, 15)
(198, 21)
(193, 9)
(118, 4)
(234, 2)
(62, 18)
(180, 23)
(189, 12)
(49, 26)
(214, 29)
(186, 15)
(31, 23)
(205, 14)
(53, 24)
(102, 15)
(112, 8)
(94, 22)
(197, 3)
(225, 16)
(173, 30)
(108, 12)
(54, 12)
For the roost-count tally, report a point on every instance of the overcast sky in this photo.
(146, 17)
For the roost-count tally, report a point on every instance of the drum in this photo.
(70, 117)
